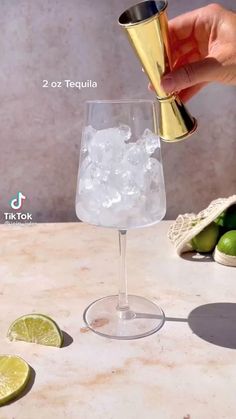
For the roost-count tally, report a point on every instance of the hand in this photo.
(203, 44)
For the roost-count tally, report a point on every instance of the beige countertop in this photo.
(187, 370)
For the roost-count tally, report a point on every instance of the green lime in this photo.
(36, 328)
(206, 240)
(14, 375)
(227, 243)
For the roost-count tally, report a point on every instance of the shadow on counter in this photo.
(197, 257)
(214, 323)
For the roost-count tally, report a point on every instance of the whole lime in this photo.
(206, 240)
(227, 243)
(230, 218)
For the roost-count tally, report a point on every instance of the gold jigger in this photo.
(147, 28)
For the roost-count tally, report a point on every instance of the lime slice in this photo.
(206, 240)
(36, 328)
(227, 243)
(14, 375)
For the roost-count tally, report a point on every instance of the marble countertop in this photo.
(187, 370)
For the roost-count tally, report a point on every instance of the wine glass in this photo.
(121, 186)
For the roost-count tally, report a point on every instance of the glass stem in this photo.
(123, 304)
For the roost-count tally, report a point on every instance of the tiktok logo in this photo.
(17, 202)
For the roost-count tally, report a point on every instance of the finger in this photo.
(182, 27)
(190, 74)
(187, 94)
(191, 57)
(184, 48)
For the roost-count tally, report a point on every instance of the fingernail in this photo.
(168, 84)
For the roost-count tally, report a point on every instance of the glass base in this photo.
(143, 318)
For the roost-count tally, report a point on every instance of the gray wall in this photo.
(41, 127)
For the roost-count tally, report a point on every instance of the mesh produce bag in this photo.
(187, 226)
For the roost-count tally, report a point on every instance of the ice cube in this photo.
(106, 146)
(128, 179)
(85, 184)
(135, 208)
(135, 155)
(109, 196)
(99, 173)
(127, 183)
(150, 141)
(87, 208)
(154, 171)
(125, 132)
(130, 202)
(84, 165)
(88, 134)
(156, 204)
(96, 151)
(91, 175)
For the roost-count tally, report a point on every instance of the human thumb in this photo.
(190, 74)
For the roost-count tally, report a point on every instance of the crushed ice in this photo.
(121, 182)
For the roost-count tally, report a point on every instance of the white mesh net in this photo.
(187, 226)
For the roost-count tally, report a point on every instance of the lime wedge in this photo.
(14, 375)
(36, 328)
